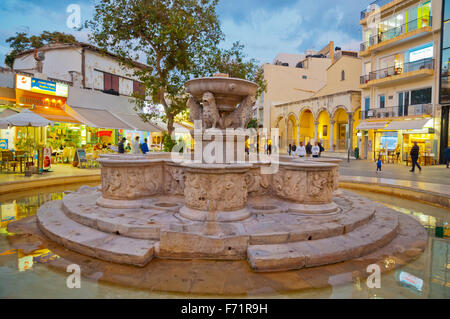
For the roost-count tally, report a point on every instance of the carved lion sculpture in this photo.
(242, 115)
(211, 116)
(195, 109)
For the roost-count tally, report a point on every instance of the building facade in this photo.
(399, 79)
(328, 116)
(293, 78)
(444, 92)
(86, 92)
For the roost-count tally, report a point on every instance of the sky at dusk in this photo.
(265, 27)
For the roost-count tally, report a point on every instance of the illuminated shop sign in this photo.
(424, 53)
(411, 280)
(41, 86)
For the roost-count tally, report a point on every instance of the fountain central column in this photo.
(215, 192)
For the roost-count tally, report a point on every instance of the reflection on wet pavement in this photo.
(30, 268)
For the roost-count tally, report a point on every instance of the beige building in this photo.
(329, 115)
(292, 78)
(400, 79)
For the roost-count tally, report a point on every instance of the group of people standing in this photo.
(136, 148)
(306, 151)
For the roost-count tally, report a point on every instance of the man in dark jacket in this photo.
(414, 157)
(308, 149)
(447, 155)
(144, 147)
(122, 145)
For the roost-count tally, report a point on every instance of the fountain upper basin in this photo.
(228, 92)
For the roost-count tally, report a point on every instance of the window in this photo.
(111, 83)
(138, 88)
(367, 103)
(422, 96)
(342, 75)
(382, 101)
(444, 94)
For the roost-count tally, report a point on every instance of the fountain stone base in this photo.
(281, 215)
(215, 192)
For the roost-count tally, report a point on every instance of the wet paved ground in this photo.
(59, 170)
(27, 270)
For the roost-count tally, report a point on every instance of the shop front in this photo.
(47, 99)
(392, 141)
(418, 131)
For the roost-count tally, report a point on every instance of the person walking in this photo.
(308, 149)
(289, 149)
(414, 157)
(144, 147)
(136, 147)
(321, 149)
(447, 155)
(315, 150)
(122, 145)
(300, 151)
(293, 148)
(379, 163)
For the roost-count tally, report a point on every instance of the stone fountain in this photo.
(278, 215)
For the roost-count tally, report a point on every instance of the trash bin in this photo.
(356, 152)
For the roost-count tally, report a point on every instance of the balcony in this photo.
(386, 38)
(378, 3)
(397, 111)
(405, 71)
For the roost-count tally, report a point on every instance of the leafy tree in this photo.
(22, 42)
(234, 62)
(168, 142)
(174, 37)
(253, 123)
(177, 39)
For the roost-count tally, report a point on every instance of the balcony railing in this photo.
(397, 111)
(397, 31)
(427, 64)
(379, 3)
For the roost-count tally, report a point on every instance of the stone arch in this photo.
(306, 127)
(320, 110)
(281, 125)
(341, 128)
(291, 122)
(337, 108)
(323, 120)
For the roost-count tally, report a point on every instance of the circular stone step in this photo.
(359, 242)
(88, 241)
(261, 228)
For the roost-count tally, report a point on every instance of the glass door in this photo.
(403, 103)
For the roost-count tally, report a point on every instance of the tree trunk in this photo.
(170, 122)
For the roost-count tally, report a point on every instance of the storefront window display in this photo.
(65, 138)
(424, 141)
(386, 144)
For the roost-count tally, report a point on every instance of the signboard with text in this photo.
(47, 157)
(4, 143)
(27, 83)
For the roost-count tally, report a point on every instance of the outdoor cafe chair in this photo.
(4, 161)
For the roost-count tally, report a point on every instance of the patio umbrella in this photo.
(26, 118)
(3, 124)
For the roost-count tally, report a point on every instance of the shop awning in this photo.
(371, 125)
(100, 118)
(5, 112)
(55, 115)
(137, 123)
(178, 126)
(407, 124)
